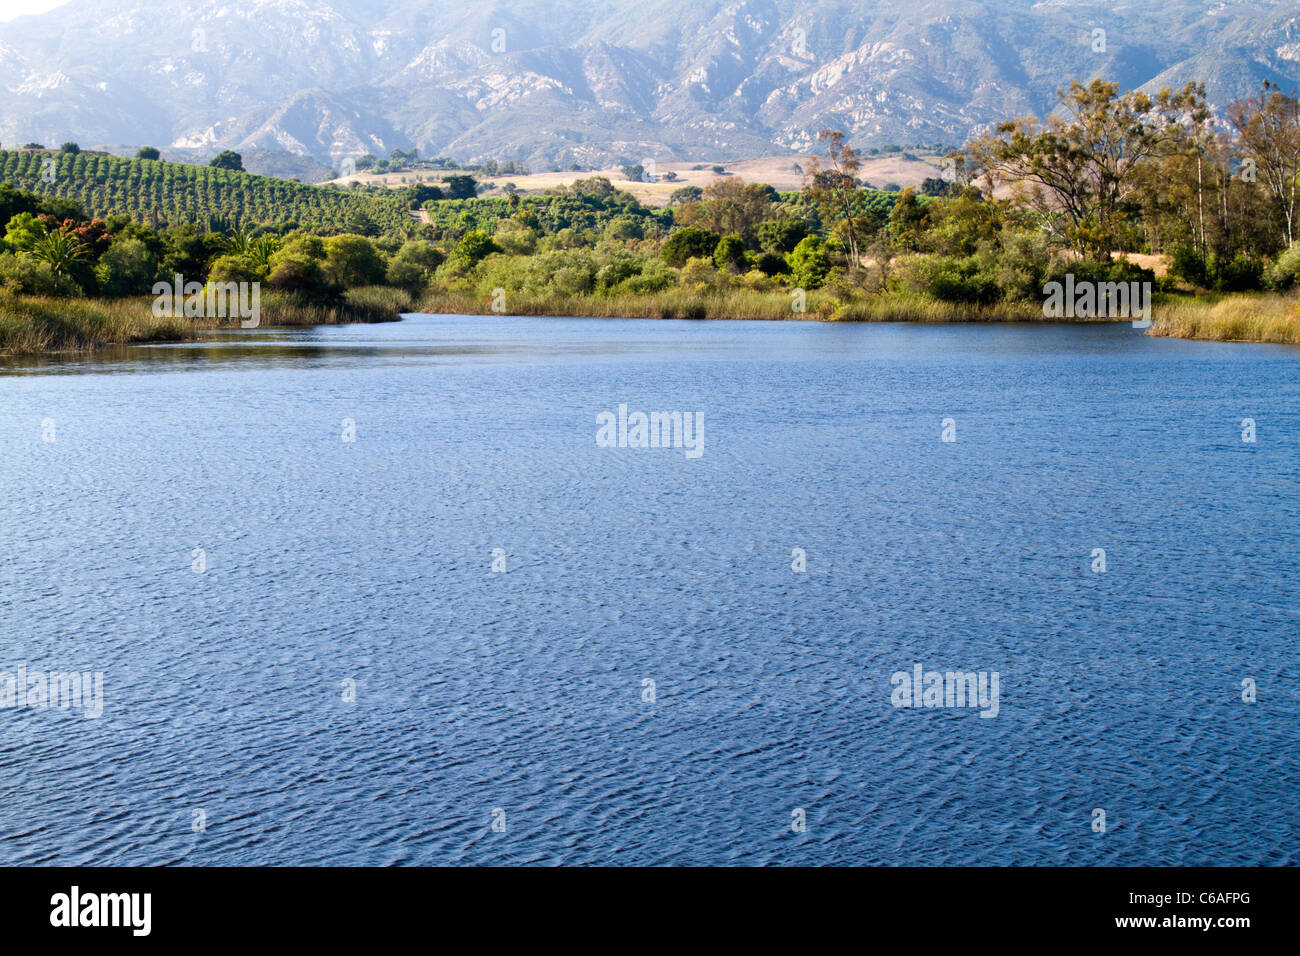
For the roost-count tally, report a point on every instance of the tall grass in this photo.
(911, 308)
(50, 325)
(732, 304)
(365, 304)
(1236, 318)
(30, 324)
(669, 304)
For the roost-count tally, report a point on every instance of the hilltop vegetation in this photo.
(170, 194)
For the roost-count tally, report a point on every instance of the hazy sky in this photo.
(16, 8)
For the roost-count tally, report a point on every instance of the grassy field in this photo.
(780, 172)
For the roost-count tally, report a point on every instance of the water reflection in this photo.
(444, 339)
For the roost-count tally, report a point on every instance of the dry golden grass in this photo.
(670, 304)
(780, 172)
(1236, 318)
(734, 304)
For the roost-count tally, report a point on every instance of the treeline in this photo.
(1137, 173)
(52, 247)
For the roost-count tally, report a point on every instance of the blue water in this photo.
(371, 561)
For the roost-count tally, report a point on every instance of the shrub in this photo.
(956, 279)
(516, 239)
(685, 194)
(352, 261)
(809, 263)
(611, 275)
(573, 280)
(655, 277)
(1090, 270)
(700, 273)
(127, 268)
(772, 264)
(782, 235)
(1016, 266)
(475, 246)
(1189, 265)
(624, 228)
(1241, 273)
(414, 264)
(729, 254)
(758, 281)
(689, 243)
(26, 276)
(1284, 273)
(234, 268)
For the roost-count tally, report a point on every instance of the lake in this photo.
(376, 594)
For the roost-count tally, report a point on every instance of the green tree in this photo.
(235, 268)
(1269, 128)
(461, 187)
(809, 263)
(228, 159)
(833, 188)
(907, 221)
(23, 232)
(475, 246)
(127, 268)
(59, 249)
(1081, 170)
(352, 261)
(782, 235)
(148, 152)
(729, 254)
(689, 243)
(414, 264)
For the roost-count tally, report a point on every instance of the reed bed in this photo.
(1236, 318)
(734, 304)
(31, 324)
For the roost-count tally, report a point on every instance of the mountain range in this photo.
(554, 83)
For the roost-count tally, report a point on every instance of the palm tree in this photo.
(258, 249)
(239, 241)
(60, 249)
(261, 249)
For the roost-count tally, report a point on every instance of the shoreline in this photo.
(1248, 319)
(38, 325)
(44, 326)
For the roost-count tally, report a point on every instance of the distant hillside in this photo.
(601, 83)
(164, 193)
